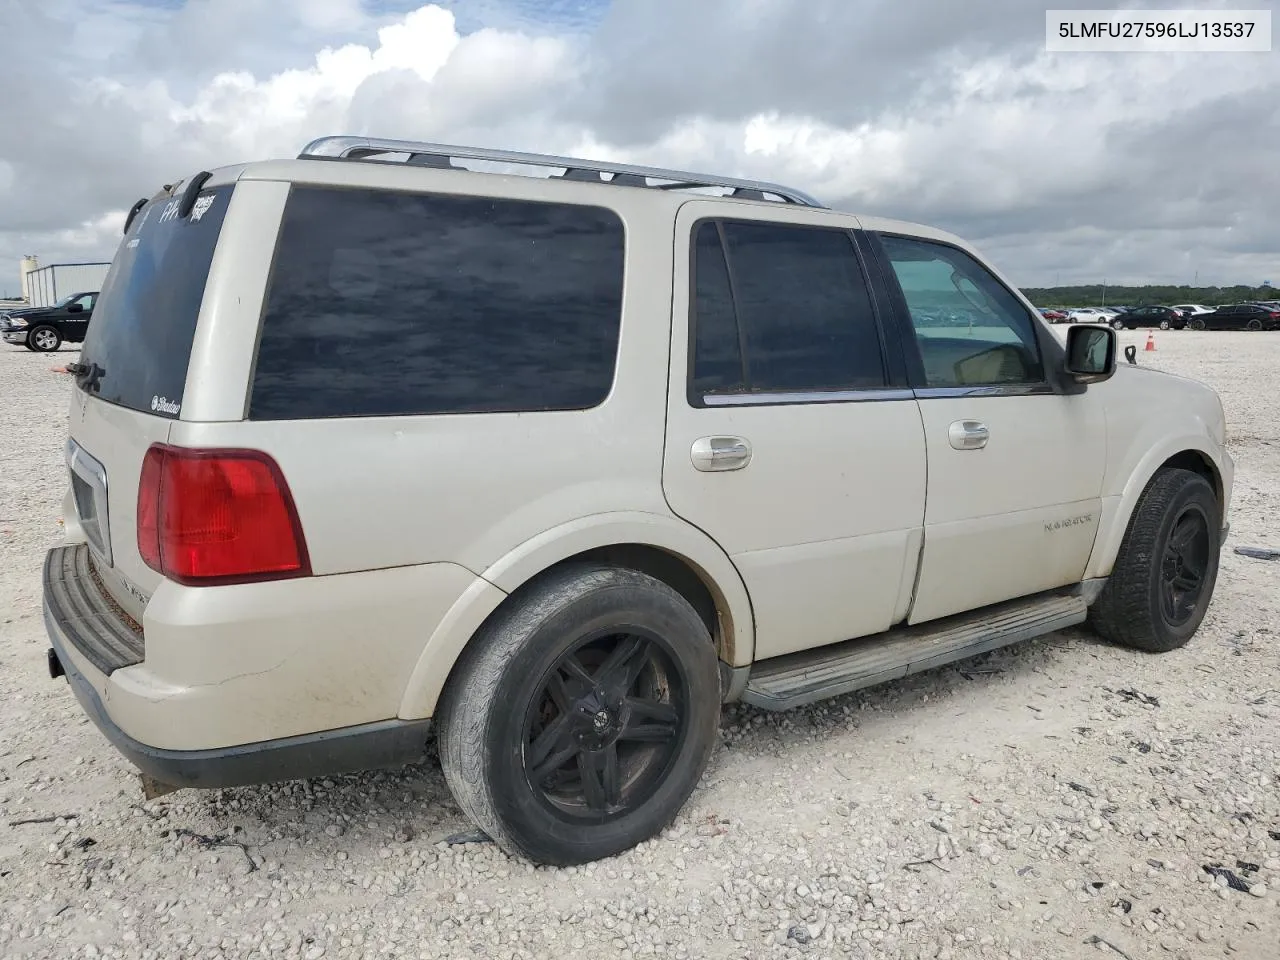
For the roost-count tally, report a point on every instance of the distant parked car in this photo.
(46, 328)
(1191, 309)
(1166, 318)
(1238, 316)
(1055, 316)
(1088, 315)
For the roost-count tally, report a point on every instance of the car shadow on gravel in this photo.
(370, 809)
(982, 677)
(415, 800)
(373, 807)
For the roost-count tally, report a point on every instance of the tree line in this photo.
(1093, 295)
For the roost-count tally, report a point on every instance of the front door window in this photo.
(971, 330)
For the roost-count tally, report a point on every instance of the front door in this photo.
(792, 437)
(75, 323)
(1015, 469)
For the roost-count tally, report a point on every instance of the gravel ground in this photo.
(1052, 800)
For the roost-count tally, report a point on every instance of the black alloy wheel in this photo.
(606, 726)
(1163, 579)
(581, 717)
(1184, 566)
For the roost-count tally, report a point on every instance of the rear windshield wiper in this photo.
(87, 375)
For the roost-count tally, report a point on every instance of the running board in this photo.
(789, 681)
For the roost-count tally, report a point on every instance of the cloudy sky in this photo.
(1062, 167)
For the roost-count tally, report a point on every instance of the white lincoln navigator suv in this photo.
(538, 461)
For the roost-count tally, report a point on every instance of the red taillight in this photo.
(149, 508)
(218, 516)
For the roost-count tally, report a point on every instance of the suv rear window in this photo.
(388, 303)
(145, 319)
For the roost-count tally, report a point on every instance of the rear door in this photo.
(791, 437)
(134, 371)
(1015, 469)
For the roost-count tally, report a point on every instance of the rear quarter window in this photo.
(390, 303)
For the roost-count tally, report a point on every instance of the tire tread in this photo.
(464, 743)
(1124, 612)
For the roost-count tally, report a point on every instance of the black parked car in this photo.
(1238, 316)
(1166, 318)
(46, 328)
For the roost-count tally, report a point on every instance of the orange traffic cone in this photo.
(1151, 341)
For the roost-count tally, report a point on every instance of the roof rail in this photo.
(442, 155)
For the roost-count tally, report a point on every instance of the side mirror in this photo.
(1091, 353)
(75, 308)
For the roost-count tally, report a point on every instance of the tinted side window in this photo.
(386, 304)
(717, 349)
(970, 329)
(803, 312)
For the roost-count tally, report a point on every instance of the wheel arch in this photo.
(1187, 455)
(665, 548)
(1197, 461)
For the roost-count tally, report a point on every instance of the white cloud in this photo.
(238, 116)
(90, 234)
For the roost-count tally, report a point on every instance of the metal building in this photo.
(45, 286)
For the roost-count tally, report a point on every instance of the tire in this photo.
(1164, 324)
(1139, 607)
(1117, 324)
(1253, 325)
(1195, 323)
(539, 654)
(44, 339)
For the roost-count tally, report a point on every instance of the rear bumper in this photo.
(251, 683)
(75, 605)
(369, 746)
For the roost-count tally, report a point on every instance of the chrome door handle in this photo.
(720, 453)
(968, 435)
